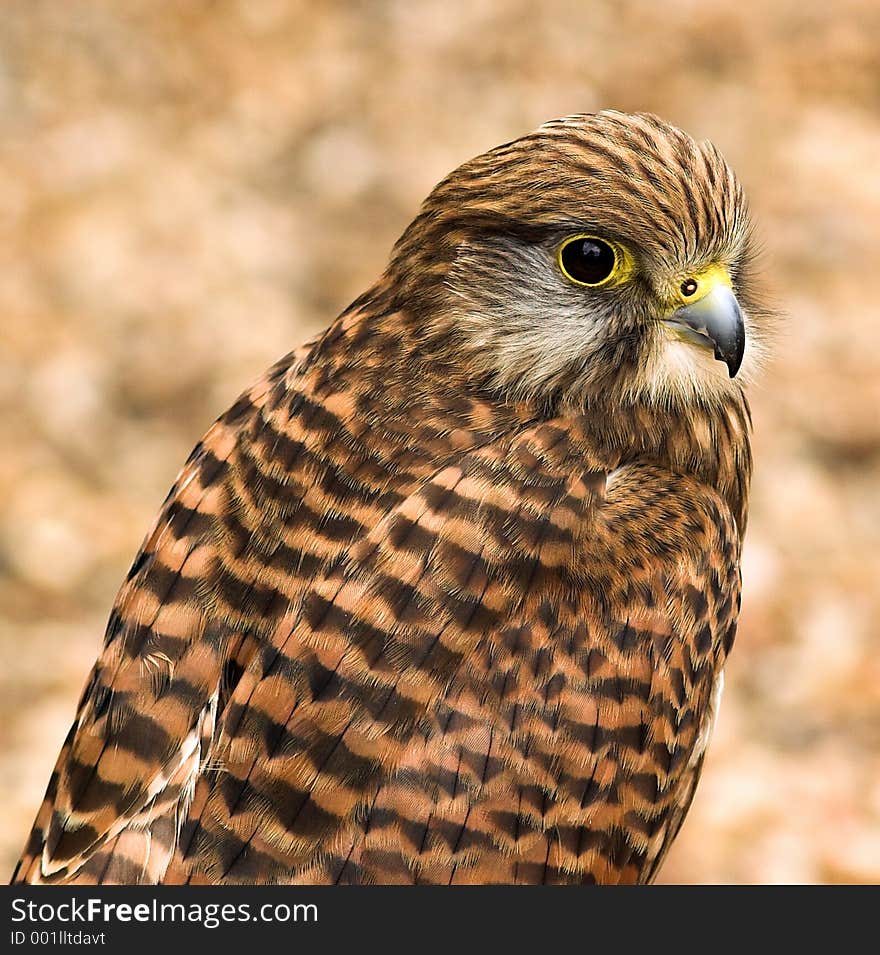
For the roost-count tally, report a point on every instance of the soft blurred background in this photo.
(189, 189)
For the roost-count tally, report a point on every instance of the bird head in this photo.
(603, 254)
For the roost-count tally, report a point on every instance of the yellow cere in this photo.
(707, 279)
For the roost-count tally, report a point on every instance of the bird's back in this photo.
(391, 631)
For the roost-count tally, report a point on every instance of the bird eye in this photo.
(586, 260)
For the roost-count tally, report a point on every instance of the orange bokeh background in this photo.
(189, 190)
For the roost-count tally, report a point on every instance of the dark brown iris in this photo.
(588, 261)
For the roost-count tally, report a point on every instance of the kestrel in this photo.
(446, 596)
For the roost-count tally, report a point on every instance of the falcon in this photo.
(446, 596)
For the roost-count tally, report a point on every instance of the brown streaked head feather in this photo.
(477, 267)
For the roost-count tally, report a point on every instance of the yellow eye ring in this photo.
(592, 262)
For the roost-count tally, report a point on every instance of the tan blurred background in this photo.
(189, 189)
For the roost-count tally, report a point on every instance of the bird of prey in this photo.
(446, 596)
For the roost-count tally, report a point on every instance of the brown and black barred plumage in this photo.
(446, 596)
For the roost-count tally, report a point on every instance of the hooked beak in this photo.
(714, 320)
